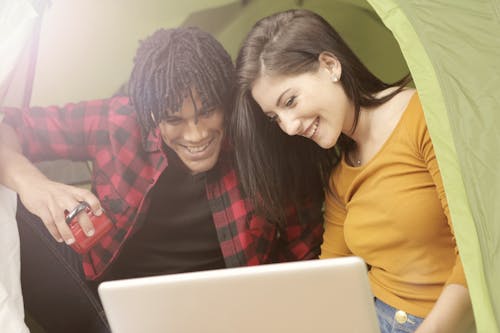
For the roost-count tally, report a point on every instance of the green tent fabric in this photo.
(452, 49)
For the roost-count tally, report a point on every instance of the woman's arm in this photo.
(453, 309)
(452, 312)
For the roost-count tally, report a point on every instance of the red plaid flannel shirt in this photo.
(126, 166)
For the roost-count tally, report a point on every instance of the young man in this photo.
(163, 174)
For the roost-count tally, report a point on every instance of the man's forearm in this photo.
(15, 168)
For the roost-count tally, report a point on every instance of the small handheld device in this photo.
(102, 225)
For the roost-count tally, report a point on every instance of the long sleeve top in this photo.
(392, 212)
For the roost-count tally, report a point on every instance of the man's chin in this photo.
(200, 166)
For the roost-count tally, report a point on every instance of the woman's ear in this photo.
(330, 63)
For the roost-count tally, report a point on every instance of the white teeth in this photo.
(315, 128)
(197, 149)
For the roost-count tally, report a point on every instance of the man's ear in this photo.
(329, 61)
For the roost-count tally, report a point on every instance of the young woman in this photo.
(369, 142)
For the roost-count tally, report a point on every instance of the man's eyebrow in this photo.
(171, 116)
(207, 108)
(281, 96)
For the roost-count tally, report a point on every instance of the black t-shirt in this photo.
(179, 233)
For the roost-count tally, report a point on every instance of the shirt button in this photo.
(400, 317)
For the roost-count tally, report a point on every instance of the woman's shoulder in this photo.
(403, 106)
(401, 101)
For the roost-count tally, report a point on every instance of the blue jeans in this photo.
(386, 315)
(55, 291)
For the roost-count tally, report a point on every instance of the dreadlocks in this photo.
(170, 64)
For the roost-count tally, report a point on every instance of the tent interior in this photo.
(68, 51)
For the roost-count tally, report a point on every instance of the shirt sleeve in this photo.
(72, 131)
(426, 148)
(334, 244)
(301, 237)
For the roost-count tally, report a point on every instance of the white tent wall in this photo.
(17, 22)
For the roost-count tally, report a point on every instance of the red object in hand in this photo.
(102, 225)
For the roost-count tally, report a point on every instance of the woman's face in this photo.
(308, 104)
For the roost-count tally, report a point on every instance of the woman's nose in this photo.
(290, 124)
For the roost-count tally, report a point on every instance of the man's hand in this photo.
(49, 200)
(52, 201)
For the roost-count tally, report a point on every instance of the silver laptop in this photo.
(329, 295)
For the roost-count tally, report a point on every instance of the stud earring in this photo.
(334, 78)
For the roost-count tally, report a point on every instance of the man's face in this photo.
(196, 140)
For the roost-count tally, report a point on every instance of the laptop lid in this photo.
(329, 295)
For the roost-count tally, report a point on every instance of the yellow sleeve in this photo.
(426, 148)
(334, 244)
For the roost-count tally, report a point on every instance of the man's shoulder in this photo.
(122, 122)
(121, 111)
(120, 105)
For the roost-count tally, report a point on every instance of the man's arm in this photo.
(41, 196)
(302, 234)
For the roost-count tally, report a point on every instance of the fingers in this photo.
(91, 199)
(54, 220)
(83, 219)
(86, 224)
(59, 220)
(95, 207)
(49, 223)
(53, 205)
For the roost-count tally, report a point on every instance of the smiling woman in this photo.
(374, 150)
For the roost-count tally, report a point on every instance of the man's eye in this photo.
(207, 113)
(173, 121)
(289, 102)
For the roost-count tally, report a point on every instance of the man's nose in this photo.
(194, 132)
(289, 123)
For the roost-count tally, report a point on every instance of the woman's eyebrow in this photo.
(281, 96)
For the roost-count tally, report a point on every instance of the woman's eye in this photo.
(289, 102)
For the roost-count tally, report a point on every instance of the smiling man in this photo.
(162, 172)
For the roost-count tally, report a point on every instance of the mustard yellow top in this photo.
(393, 213)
